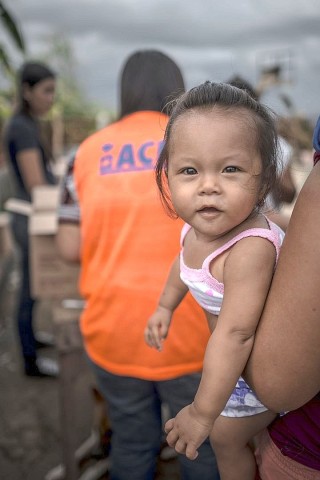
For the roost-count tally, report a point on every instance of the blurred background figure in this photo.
(28, 157)
(112, 220)
(285, 191)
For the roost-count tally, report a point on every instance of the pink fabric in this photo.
(297, 434)
(275, 466)
(274, 234)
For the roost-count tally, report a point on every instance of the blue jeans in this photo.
(19, 226)
(134, 411)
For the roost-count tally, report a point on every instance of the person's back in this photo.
(127, 245)
(128, 242)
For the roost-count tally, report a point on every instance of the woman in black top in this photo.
(29, 163)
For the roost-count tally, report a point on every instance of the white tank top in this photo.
(206, 289)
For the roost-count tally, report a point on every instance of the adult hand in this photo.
(187, 431)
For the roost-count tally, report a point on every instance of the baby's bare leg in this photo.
(230, 440)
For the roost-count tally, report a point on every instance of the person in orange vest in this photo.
(112, 220)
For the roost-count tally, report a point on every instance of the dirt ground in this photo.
(29, 408)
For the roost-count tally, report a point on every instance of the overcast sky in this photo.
(209, 39)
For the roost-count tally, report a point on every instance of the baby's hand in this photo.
(187, 431)
(157, 328)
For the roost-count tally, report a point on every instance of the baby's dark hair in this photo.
(224, 98)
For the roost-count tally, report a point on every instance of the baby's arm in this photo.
(247, 275)
(173, 293)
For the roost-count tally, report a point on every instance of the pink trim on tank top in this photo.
(203, 274)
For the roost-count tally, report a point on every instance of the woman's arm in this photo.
(284, 366)
(29, 163)
(68, 241)
(68, 237)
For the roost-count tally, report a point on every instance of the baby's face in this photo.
(213, 170)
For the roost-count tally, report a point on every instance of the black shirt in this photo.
(22, 133)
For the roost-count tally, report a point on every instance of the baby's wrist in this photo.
(203, 411)
(165, 309)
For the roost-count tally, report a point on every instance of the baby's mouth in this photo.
(208, 210)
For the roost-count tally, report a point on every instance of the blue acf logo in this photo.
(130, 158)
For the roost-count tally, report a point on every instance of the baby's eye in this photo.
(231, 169)
(189, 171)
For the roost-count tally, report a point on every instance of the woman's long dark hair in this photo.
(30, 74)
(149, 79)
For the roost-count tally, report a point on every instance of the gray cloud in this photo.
(208, 39)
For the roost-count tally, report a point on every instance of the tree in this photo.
(16, 36)
(73, 116)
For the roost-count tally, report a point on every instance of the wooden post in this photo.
(73, 369)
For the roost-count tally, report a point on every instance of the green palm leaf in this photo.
(11, 27)
(4, 58)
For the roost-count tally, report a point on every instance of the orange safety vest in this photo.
(128, 245)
